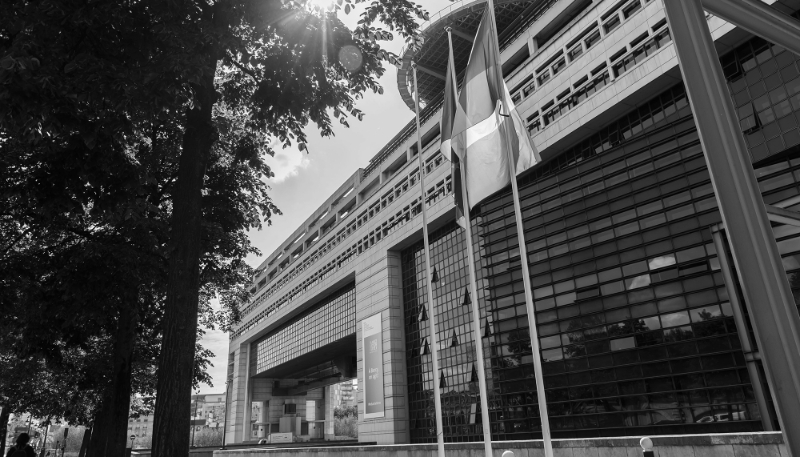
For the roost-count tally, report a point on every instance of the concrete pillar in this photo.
(248, 401)
(379, 290)
(329, 419)
(753, 248)
(238, 395)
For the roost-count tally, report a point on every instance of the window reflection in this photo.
(634, 322)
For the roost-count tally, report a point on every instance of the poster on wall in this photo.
(372, 342)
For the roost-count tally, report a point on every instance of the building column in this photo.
(238, 396)
(766, 290)
(329, 431)
(379, 291)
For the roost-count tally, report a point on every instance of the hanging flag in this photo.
(477, 126)
(449, 111)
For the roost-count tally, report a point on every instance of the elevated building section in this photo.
(634, 313)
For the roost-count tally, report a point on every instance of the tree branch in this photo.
(246, 70)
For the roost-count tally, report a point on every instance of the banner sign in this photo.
(372, 342)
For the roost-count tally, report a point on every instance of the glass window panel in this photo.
(585, 281)
(614, 273)
(661, 261)
(552, 355)
(564, 286)
(637, 282)
(705, 314)
(544, 304)
(634, 268)
(644, 310)
(671, 304)
(675, 319)
(623, 343)
(612, 288)
(543, 292)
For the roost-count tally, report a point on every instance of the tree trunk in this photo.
(111, 429)
(97, 443)
(87, 435)
(176, 361)
(4, 415)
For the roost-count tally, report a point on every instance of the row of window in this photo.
(329, 321)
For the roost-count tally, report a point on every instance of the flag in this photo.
(450, 109)
(478, 123)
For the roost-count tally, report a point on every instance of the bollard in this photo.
(647, 447)
(508, 454)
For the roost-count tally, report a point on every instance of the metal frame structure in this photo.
(755, 253)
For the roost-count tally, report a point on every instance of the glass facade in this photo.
(635, 323)
(456, 345)
(329, 321)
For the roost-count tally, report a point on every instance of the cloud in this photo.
(287, 163)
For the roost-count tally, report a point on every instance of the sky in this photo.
(303, 181)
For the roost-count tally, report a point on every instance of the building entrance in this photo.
(294, 368)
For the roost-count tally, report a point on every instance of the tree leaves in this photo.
(93, 104)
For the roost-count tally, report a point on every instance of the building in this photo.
(142, 427)
(208, 410)
(342, 394)
(638, 322)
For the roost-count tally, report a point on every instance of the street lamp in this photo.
(194, 416)
(225, 419)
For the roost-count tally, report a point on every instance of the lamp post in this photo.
(225, 420)
(194, 416)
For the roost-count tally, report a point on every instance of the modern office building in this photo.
(641, 319)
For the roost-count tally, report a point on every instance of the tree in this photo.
(271, 70)
(155, 106)
(345, 421)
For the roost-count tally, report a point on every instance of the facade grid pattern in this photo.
(455, 339)
(393, 222)
(330, 321)
(635, 324)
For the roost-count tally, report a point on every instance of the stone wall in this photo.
(767, 444)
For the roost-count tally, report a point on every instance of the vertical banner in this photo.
(372, 342)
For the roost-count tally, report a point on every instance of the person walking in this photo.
(22, 448)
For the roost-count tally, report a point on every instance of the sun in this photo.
(320, 5)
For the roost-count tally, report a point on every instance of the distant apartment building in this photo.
(141, 426)
(208, 411)
(343, 394)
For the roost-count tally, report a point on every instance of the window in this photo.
(631, 9)
(559, 65)
(543, 76)
(592, 39)
(612, 23)
(575, 52)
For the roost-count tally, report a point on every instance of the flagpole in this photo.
(476, 323)
(523, 253)
(473, 290)
(437, 397)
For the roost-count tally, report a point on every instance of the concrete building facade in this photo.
(639, 329)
